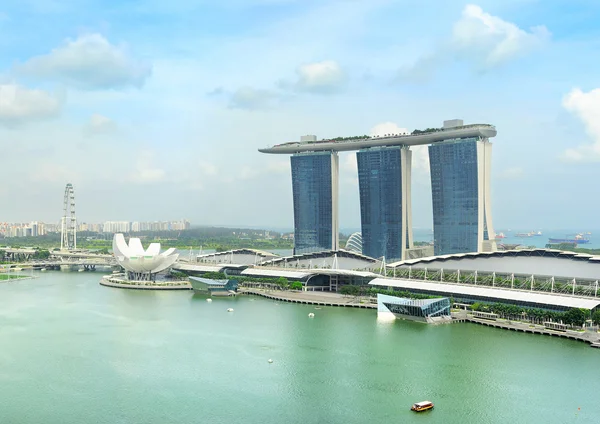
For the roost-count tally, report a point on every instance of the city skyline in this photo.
(40, 228)
(194, 142)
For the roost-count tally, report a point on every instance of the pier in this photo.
(312, 298)
(121, 283)
(593, 338)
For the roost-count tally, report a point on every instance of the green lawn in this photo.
(4, 277)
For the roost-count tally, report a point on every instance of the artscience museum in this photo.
(140, 264)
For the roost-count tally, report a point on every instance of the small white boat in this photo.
(43, 270)
(422, 406)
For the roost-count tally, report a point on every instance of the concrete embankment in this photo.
(168, 286)
(586, 336)
(311, 298)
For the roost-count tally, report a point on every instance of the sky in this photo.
(155, 110)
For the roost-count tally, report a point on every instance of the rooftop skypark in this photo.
(418, 137)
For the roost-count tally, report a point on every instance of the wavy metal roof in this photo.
(283, 272)
(553, 253)
(243, 251)
(341, 253)
(202, 268)
(275, 273)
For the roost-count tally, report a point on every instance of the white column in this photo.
(407, 231)
(335, 227)
(484, 166)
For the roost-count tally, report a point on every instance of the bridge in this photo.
(16, 254)
(56, 263)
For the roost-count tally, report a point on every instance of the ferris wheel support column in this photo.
(68, 238)
(62, 232)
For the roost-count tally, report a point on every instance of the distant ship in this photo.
(500, 236)
(578, 239)
(529, 234)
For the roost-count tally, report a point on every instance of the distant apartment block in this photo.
(37, 228)
(141, 226)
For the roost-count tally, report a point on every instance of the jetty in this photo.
(312, 298)
(591, 337)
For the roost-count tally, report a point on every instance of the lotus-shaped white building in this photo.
(140, 264)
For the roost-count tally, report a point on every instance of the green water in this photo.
(72, 351)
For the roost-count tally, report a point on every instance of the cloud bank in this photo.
(19, 105)
(484, 40)
(586, 106)
(89, 62)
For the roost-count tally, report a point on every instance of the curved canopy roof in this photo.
(341, 253)
(549, 262)
(497, 295)
(299, 274)
(354, 243)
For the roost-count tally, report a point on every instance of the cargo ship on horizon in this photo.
(577, 239)
(529, 234)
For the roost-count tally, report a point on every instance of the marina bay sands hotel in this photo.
(460, 161)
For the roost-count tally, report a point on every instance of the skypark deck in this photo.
(464, 131)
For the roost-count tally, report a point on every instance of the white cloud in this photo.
(493, 40)
(273, 167)
(513, 173)
(481, 38)
(586, 106)
(208, 168)
(251, 99)
(49, 172)
(349, 169)
(100, 124)
(145, 170)
(387, 128)
(420, 155)
(349, 164)
(19, 105)
(320, 77)
(89, 62)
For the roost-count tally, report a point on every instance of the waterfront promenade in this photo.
(120, 283)
(335, 299)
(587, 336)
(312, 298)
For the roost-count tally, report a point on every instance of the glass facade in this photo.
(419, 309)
(455, 195)
(314, 187)
(437, 308)
(380, 184)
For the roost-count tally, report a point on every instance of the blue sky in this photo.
(155, 110)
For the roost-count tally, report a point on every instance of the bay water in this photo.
(72, 351)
